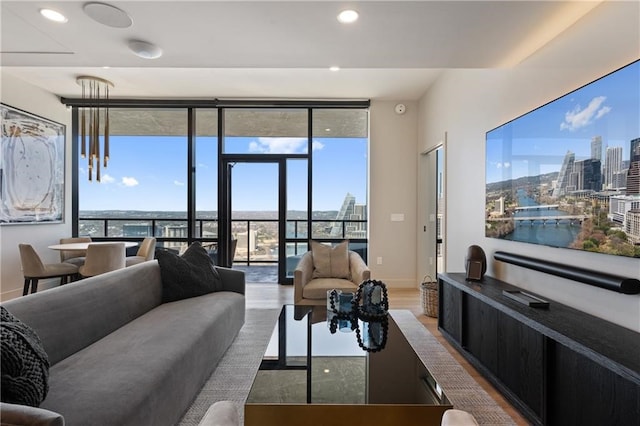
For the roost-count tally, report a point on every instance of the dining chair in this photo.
(103, 257)
(145, 252)
(76, 257)
(34, 269)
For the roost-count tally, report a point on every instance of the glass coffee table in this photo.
(319, 369)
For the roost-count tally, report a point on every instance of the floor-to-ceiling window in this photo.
(339, 172)
(248, 181)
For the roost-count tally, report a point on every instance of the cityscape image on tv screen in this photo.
(567, 174)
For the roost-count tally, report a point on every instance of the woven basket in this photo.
(429, 292)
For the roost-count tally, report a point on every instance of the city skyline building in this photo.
(596, 148)
(565, 175)
(612, 166)
(586, 175)
(350, 211)
(633, 173)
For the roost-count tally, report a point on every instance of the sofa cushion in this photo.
(149, 371)
(190, 275)
(24, 363)
(330, 262)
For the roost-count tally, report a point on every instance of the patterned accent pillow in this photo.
(190, 275)
(24, 363)
(330, 262)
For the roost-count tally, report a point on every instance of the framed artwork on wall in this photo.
(31, 168)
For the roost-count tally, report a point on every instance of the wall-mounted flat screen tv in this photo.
(567, 174)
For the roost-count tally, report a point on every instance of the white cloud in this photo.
(129, 181)
(178, 183)
(317, 145)
(504, 165)
(577, 118)
(278, 145)
(107, 179)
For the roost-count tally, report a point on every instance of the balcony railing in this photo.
(257, 238)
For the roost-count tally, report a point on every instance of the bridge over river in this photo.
(572, 219)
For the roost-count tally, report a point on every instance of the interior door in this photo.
(431, 199)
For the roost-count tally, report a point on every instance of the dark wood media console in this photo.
(558, 365)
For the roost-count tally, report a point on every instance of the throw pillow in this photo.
(24, 363)
(190, 275)
(330, 262)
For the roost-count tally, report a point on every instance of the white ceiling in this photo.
(276, 49)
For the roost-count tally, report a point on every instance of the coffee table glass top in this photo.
(315, 358)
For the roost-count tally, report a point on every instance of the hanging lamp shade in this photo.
(94, 121)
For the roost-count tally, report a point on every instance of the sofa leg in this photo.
(34, 285)
(27, 284)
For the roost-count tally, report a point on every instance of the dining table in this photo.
(85, 245)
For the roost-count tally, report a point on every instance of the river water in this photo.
(561, 235)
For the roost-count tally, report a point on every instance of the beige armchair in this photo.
(310, 290)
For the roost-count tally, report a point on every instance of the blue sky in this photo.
(537, 142)
(149, 173)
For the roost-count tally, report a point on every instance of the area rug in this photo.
(233, 377)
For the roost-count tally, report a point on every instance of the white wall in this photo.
(18, 94)
(392, 190)
(468, 103)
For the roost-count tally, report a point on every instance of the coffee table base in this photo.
(341, 414)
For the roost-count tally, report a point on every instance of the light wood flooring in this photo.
(272, 296)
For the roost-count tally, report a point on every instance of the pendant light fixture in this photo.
(94, 121)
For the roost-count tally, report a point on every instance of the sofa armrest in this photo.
(359, 270)
(232, 279)
(24, 415)
(302, 275)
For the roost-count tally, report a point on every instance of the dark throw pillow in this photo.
(24, 363)
(190, 275)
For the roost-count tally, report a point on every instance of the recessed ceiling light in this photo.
(348, 16)
(145, 50)
(53, 15)
(334, 68)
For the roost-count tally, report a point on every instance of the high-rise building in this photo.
(137, 230)
(565, 175)
(633, 173)
(596, 148)
(350, 211)
(634, 151)
(586, 175)
(612, 165)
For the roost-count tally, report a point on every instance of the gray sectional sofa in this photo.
(121, 357)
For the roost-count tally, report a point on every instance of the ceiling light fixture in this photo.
(348, 16)
(144, 49)
(95, 93)
(334, 68)
(53, 15)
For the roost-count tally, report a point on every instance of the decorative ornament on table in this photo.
(370, 305)
(373, 337)
(475, 263)
(372, 300)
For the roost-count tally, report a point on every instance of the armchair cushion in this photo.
(330, 262)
